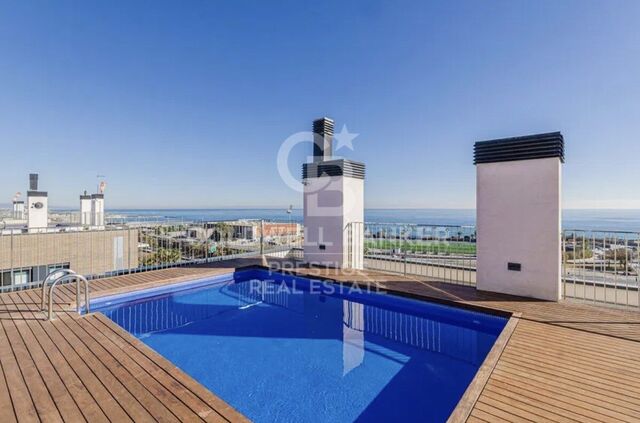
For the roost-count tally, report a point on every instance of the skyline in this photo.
(186, 107)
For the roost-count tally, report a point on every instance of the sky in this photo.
(185, 104)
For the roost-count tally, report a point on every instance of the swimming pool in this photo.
(284, 348)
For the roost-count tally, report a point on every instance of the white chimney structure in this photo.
(85, 209)
(18, 208)
(97, 210)
(518, 206)
(37, 206)
(333, 205)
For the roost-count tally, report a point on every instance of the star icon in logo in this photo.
(345, 138)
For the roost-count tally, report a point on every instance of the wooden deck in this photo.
(563, 362)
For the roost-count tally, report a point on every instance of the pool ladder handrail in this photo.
(53, 275)
(69, 275)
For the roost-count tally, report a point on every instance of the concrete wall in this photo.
(330, 204)
(353, 243)
(87, 252)
(518, 220)
(323, 221)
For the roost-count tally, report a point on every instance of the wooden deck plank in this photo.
(495, 410)
(599, 407)
(604, 369)
(517, 406)
(172, 384)
(585, 377)
(20, 401)
(97, 387)
(173, 405)
(64, 294)
(554, 409)
(622, 364)
(70, 379)
(222, 408)
(128, 402)
(44, 405)
(564, 362)
(153, 408)
(611, 390)
(5, 398)
(480, 415)
(578, 390)
(58, 390)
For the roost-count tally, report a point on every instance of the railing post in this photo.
(129, 248)
(405, 262)
(11, 259)
(403, 246)
(261, 237)
(263, 259)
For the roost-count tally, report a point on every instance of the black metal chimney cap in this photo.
(322, 139)
(528, 147)
(33, 182)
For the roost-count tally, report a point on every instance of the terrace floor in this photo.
(563, 362)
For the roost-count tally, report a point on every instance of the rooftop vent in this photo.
(538, 146)
(322, 139)
(33, 181)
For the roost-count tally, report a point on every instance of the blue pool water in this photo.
(283, 348)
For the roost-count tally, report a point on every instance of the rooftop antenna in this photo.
(98, 176)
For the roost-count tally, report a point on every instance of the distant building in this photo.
(18, 210)
(242, 230)
(272, 229)
(29, 257)
(85, 209)
(34, 216)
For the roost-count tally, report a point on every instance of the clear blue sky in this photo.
(185, 103)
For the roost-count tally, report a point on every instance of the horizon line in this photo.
(300, 208)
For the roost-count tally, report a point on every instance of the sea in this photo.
(579, 219)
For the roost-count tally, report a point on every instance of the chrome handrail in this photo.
(51, 277)
(78, 278)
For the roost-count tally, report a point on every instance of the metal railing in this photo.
(444, 253)
(27, 257)
(597, 266)
(601, 267)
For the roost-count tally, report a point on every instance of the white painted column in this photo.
(519, 215)
(85, 209)
(333, 221)
(37, 206)
(37, 211)
(18, 210)
(97, 210)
